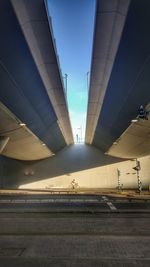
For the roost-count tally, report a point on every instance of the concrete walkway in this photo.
(130, 193)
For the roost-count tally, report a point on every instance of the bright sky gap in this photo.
(73, 25)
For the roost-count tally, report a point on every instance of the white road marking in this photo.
(111, 206)
(62, 200)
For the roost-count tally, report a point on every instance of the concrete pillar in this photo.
(3, 142)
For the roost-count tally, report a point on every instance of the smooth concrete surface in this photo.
(134, 142)
(18, 142)
(128, 85)
(37, 29)
(86, 164)
(68, 164)
(74, 239)
(109, 24)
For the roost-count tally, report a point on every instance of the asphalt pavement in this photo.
(85, 230)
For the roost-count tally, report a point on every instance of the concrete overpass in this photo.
(119, 80)
(34, 116)
(33, 106)
(74, 230)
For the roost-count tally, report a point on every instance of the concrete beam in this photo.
(37, 29)
(110, 20)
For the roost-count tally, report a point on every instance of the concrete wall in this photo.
(1, 172)
(86, 164)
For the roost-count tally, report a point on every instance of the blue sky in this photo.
(73, 23)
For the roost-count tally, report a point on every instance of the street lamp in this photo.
(87, 80)
(65, 83)
(80, 128)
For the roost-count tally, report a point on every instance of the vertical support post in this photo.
(80, 139)
(137, 168)
(119, 182)
(87, 80)
(66, 83)
(3, 142)
(81, 133)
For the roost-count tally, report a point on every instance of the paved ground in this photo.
(145, 194)
(71, 203)
(66, 231)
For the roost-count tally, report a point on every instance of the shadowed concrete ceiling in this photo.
(109, 23)
(37, 29)
(134, 142)
(31, 87)
(116, 95)
(30, 79)
(22, 143)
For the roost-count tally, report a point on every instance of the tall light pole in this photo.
(80, 128)
(87, 80)
(66, 81)
(119, 182)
